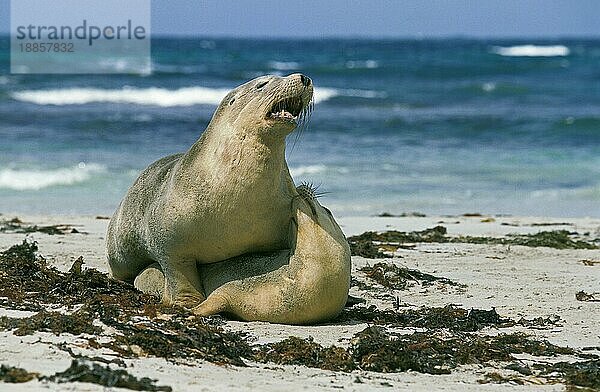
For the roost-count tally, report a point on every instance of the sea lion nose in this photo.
(305, 80)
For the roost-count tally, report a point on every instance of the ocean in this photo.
(445, 126)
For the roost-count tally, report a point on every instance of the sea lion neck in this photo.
(243, 153)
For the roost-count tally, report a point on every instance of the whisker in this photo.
(303, 121)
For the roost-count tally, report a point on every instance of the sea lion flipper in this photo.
(214, 304)
(182, 284)
(151, 281)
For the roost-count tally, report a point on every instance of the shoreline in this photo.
(517, 281)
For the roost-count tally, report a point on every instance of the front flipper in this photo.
(178, 285)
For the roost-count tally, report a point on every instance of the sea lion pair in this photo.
(204, 220)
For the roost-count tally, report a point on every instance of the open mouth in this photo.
(288, 109)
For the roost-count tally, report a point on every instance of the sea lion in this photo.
(305, 285)
(230, 194)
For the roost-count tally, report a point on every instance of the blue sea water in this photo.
(436, 126)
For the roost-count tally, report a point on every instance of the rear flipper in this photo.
(151, 281)
(212, 276)
(179, 291)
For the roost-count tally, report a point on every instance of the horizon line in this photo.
(413, 37)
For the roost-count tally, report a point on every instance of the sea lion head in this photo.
(270, 106)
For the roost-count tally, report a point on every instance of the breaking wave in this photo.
(38, 179)
(532, 50)
(155, 96)
(309, 169)
(284, 65)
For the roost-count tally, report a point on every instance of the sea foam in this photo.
(155, 96)
(308, 169)
(532, 50)
(38, 179)
(284, 65)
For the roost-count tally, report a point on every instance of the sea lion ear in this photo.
(328, 211)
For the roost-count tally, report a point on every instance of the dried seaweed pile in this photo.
(147, 328)
(28, 283)
(369, 243)
(400, 278)
(16, 225)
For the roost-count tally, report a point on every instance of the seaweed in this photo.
(590, 263)
(552, 224)
(16, 225)
(375, 349)
(436, 234)
(144, 327)
(372, 241)
(15, 375)
(366, 249)
(363, 244)
(82, 372)
(96, 374)
(297, 351)
(29, 283)
(413, 214)
(586, 297)
(558, 239)
(78, 323)
(449, 317)
(497, 378)
(577, 375)
(582, 374)
(399, 278)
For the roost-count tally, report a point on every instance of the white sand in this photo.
(518, 281)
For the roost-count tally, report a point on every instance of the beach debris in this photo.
(497, 378)
(77, 323)
(305, 352)
(558, 239)
(368, 243)
(28, 283)
(413, 214)
(139, 326)
(352, 300)
(373, 241)
(582, 374)
(552, 224)
(399, 278)
(94, 373)
(449, 317)
(16, 225)
(587, 297)
(375, 349)
(15, 375)
(540, 322)
(367, 249)
(435, 234)
(87, 372)
(589, 262)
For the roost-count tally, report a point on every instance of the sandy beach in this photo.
(457, 144)
(519, 282)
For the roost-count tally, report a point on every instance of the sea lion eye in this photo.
(261, 85)
(232, 101)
